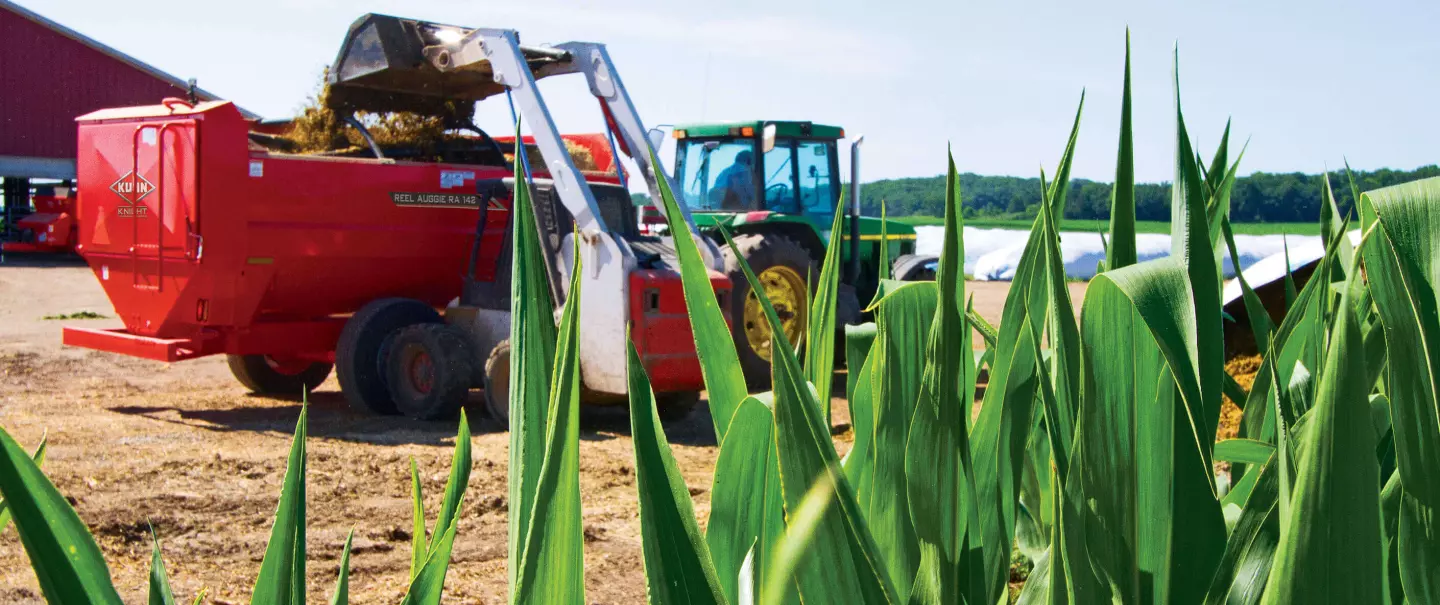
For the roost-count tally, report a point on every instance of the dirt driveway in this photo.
(184, 447)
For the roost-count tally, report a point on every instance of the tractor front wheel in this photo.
(785, 269)
(265, 375)
(497, 383)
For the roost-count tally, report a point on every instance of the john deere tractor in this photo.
(775, 185)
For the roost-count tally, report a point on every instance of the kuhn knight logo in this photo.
(131, 189)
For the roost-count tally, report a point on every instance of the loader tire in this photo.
(364, 346)
(676, 407)
(430, 370)
(914, 267)
(786, 269)
(263, 375)
(497, 383)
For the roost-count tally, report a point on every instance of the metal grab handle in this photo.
(171, 102)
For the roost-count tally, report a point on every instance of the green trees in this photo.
(1261, 197)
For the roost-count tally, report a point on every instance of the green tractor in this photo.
(775, 185)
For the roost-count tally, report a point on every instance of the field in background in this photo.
(1092, 225)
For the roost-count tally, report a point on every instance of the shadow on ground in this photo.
(332, 418)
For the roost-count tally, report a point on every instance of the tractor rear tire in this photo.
(763, 252)
(364, 346)
(265, 376)
(676, 407)
(497, 383)
(431, 368)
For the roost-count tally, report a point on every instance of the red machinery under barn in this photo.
(50, 229)
(207, 244)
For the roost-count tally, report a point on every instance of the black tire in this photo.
(914, 267)
(676, 407)
(362, 349)
(429, 370)
(264, 376)
(761, 252)
(497, 383)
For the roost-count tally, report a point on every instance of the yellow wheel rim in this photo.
(786, 290)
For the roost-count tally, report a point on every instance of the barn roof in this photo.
(49, 74)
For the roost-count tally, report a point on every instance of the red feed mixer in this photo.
(50, 229)
(395, 273)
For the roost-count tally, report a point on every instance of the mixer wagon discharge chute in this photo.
(393, 272)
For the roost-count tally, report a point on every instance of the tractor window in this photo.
(817, 197)
(780, 176)
(718, 175)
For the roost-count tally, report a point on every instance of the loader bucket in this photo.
(393, 64)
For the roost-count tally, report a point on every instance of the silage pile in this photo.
(319, 129)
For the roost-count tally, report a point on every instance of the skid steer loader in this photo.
(629, 279)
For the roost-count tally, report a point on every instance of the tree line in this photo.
(1261, 197)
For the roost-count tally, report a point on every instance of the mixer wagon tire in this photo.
(263, 375)
(497, 382)
(430, 370)
(785, 268)
(364, 345)
(676, 407)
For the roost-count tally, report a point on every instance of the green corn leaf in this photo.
(341, 595)
(282, 572)
(884, 267)
(532, 363)
(678, 569)
(724, 386)
(747, 514)
(160, 593)
(820, 333)
(428, 585)
(418, 549)
(1260, 322)
(1248, 451)
(551, 569)
(1332, 225)
(858, 341)
(1122, 252)
(39, 458)
(859, 463)
(427, 579)
(1151, 492)
(1192, 241)
(1330, 548)
(1061, 186)
(1065, 339)
(806, 523)
(943, 501)
(844, 563)
(1289, 274)
(1290, 347)
(1243, 571)
(460, 464)
(1400, 256)
(891, 382)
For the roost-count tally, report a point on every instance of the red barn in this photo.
(49, 74)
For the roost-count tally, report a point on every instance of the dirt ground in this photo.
(185, 448)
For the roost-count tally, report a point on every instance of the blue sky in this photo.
(1310, 83)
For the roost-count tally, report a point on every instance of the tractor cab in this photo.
(775, 186)
(788, 168)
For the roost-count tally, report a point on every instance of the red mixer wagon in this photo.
(394, 273)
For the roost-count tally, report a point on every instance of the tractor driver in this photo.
(737, 183)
